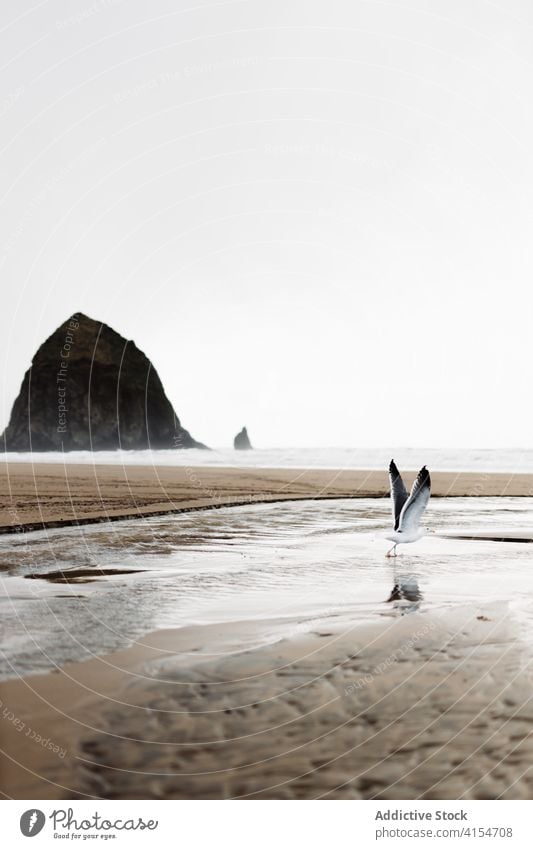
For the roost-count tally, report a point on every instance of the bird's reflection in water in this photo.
(405, 595)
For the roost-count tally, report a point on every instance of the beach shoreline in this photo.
(348, 703)
(410, 707)
(52, 495)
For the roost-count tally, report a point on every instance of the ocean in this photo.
(512, 460)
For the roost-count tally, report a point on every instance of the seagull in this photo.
(407, 509)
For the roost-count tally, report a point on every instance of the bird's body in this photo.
(407, 508)
(399, 537)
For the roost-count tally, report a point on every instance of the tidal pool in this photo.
(68, 594)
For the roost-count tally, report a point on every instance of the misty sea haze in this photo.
(510, 460)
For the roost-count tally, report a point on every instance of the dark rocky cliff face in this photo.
(242, 441)
(88, 388)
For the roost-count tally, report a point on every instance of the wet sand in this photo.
(412, 707)
(54, 495)
(436, 703)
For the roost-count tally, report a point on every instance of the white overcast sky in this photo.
(314, 217)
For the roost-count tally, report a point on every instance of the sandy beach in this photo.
(368, 692)
(34, 496)
(416, 707)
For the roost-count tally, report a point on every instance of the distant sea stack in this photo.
(89, 389)
(242, 441)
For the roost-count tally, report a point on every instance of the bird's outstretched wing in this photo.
(416, 503)
(398, 493)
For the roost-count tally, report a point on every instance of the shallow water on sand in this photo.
(291, 567)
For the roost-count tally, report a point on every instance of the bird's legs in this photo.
(392, 551)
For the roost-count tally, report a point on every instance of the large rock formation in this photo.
(242, 441)
(90, 389)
